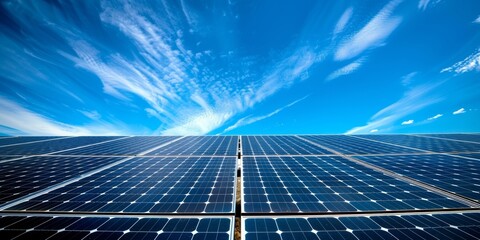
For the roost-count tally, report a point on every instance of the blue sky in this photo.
(239, 67)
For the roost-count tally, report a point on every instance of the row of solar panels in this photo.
(251, 145)
(197, 175)
(437, 226)
(206, 184)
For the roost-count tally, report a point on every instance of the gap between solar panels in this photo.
(457, 197)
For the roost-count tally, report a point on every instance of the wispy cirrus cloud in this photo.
(18, 120)
(477, 20)
(470, 63)
(459, 111)
(424, 4)
(435, 117)
(342, 22)
(412, 101)
(348, 69)
(408, 79)
(408, 122)
(372, 35)
(249, 120)
(142, 57)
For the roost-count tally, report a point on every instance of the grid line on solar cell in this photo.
(201, 146)
(328, 184)
(437, 226)
(126, 146)
(22, 140)
(456, 174)
(424, 143)
(21, 177)
(52, 146)
(350, 145)
(148, 185)
(61, 227)
(279, 145)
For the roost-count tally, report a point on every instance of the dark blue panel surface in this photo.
(62, 227)
(328, 184)
(352, 145)
(127, 146)
(20, 140)
(437, 226)
(279, 145)
(201, 146)
(148, 185)
(24, 176)
(462, 137)
(455, 174)
(51, 146)
(425, 143)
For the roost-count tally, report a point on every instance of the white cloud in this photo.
(348, 69)
(342, 22)
(374, 130)
(435, 117)
(408, 122)
(477, 20)
(413, 100)
(17, 120)
(407, 79)
(422, 4)
(372, 35)
(470, 63)
(249, 120)
(93, 115)
(459, 111)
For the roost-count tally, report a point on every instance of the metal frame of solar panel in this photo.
(293, 187)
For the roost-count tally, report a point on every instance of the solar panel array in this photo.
(291, 187)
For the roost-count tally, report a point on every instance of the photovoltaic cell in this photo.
(21, 177)
(436, 226)
(425, 143)
(454, 174)
(462, 137)
(51, 146)
(63, 227)
(127, 146)
(328, 184)
(17, 140)
(279, 145)
(200, 146)
(148, 185)
(350, 145)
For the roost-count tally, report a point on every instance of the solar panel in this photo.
(200, 146)
(124, 227)
(436, 226)
(461, 137)
(279, 145)
(20, 140)
(148, 185)
(426, 143)
(21, 177)
(127, 146)
(454, 174)
(350, 145)
(51, 146)
(328, 184)
(293, 187)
